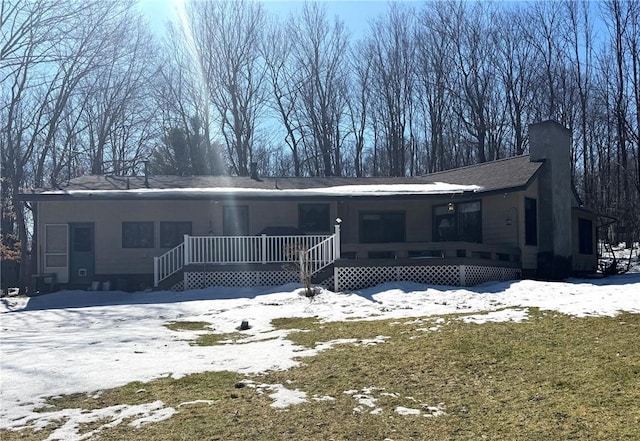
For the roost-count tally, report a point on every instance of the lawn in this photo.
(550, 376)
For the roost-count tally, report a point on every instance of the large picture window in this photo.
(382, 227)
(172, 233)
(461, 222)
(137, 235)
(314, 218)
(530, 221)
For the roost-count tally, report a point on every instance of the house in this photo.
(500, 220)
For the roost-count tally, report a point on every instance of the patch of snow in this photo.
(425, 410)
(196, 402)
(433, 411)
(406, 411)
(284, 397)
(506, 315)
(281, 396)
(374, 341)
(323, 398)
(154, 417)
(111, 416)
(365, 400)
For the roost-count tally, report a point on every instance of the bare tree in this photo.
(546, 26)
(513, 59)
(476, 89)
(319, 56)
(358, 103)
(580, 40)
(435, 67)
(227, 38)
(53, 49)
(285, 85)
(392, 55)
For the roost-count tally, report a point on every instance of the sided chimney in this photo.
(146, 173)
(550, 142)
(253, 170)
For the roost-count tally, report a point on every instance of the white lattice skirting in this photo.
(350, 278)
(197, 280)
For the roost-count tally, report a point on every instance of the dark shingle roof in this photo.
(511, 173)
(502, 174)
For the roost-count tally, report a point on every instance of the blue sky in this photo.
(355, 13)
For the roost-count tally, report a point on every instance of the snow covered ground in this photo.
(77, 341)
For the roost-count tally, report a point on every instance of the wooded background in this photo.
(88, 87)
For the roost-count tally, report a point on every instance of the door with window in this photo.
(235, 220)
(82, 253)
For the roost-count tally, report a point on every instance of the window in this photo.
(172, 233)
(530, 221)
(314, 218)
(82, 239)
(137, 235)
(461, 222)
(382, 227)
(235, 220)
(55, 251)
(585, 236)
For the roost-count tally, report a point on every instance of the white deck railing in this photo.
(222, 250)
(323, 254)
(168, 264)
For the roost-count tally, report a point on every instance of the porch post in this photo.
(303, 270)
(187, 250)
(336, 241)
(263, 248)
(156, 276)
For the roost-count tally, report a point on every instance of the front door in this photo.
(82, 256)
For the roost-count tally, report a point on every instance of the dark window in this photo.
(530, 221)
(382, 227)
(458, 222)
(172, 233)
(313, 218)
(82, 239)
(585, 236)
(137, 235)
(235, 220)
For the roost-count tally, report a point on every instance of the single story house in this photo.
(499, 220)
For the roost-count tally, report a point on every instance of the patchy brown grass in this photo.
(552, 377)
(188, 326)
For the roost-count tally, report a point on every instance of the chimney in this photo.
(550, 142)
(253, 170)
(146, 173)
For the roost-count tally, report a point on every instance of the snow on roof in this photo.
(339, 190)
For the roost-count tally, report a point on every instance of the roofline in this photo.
(480, 164)
(176, 196)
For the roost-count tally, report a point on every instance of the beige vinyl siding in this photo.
(500, 219)
(206, 218)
